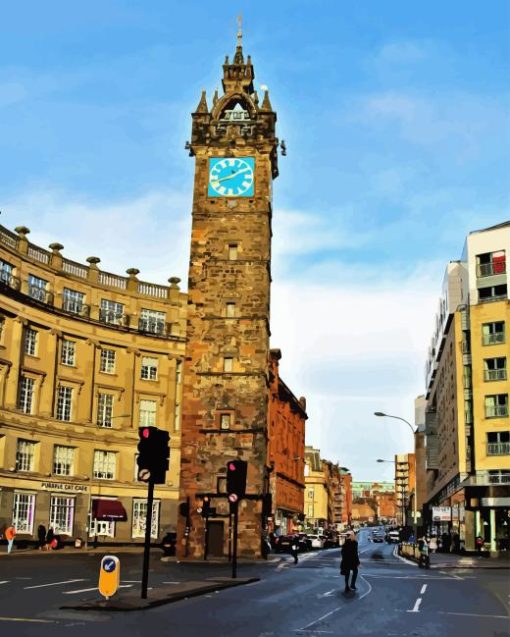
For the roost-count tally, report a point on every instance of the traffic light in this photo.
(236, 477)
(153, 454)
(184, 509)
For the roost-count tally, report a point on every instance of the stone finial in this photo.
(266, 104)
(93, 261)
(174, 281)
(202, 105)
(302, 402)
(132, 272)
(215, 97)
(56, 247)
(22, 230)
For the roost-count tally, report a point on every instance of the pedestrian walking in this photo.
(424, 559)
(50, 536)
(294, 548)
(10, 534)
(41, 536)
(479, 542)
(350, 561)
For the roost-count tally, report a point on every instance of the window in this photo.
(493, 333)
(225, 421)
(111, 312)
(228, 364)
(67, 352)
(101, 527)
(26, 394)
(231, 310)
(499, 477)
(494, 368)
(25, 455)
(107, 362)
(62, 515)
(152, 321)
(310, 494)
(104, 410)
(6, 272)
(30, 341)
(147, 413)
(496, 406)
(139, 515)
(310, 510)
(490, 264)
(37, 288)
(493, 293)
(64, 403)
(23, 509)
(63, 460)
(498, 443)
(72, 301)
(232, 251)
(149, 368)
(105, 463)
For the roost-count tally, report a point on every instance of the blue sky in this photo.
(396, 119)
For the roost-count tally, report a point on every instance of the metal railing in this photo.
(496, 411)
(113, 318)
(498, 448)
(490, 269)
(493, 339)
(494, 374)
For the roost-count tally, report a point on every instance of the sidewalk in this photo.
(452, 560)
(128, 601)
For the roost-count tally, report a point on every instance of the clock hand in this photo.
(243, 170)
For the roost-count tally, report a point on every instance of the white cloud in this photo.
(150, 232)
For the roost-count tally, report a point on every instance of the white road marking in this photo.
(27, 619)
(445, 612)
(328, 593)
(423, 589)
(331, 612)
(69, 581)
(419, 577)
(416, 606)
(131, 581)
(5, 581)
(171, 582)
(94, 588)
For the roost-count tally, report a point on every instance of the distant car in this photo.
(377, 536)
(282, 543)
(304, 542)
(393, 537)
(316, 540)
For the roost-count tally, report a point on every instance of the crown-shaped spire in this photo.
(238, 76)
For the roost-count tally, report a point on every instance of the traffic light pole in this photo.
(235, 507)
(206, 533)
(147, 545)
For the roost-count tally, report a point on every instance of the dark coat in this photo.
(350, 559)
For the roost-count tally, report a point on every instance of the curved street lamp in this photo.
(381, 414)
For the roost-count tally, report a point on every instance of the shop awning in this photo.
(111, 510)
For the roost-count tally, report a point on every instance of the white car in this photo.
(317, 541)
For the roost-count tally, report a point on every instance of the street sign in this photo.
(144, 475)
(109, 576)
(233, 497)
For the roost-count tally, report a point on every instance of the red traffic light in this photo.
(231, 466)
(146, 432)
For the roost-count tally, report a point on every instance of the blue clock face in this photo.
(231, 177)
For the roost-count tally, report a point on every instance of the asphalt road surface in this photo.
(393, 599)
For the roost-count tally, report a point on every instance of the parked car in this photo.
(316, 540)
(377, 536)
(331, 540)
(282, 543)
(305, 544)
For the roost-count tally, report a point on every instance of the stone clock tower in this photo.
(226, 370)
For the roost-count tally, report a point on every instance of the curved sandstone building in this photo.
(86, 357)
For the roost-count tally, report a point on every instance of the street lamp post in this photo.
(415, 517)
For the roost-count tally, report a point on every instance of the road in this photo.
(393, 599)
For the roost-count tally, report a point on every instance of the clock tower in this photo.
(225, 398)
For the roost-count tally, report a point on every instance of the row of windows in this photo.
(147, 413)
(104, 466)
(62, 513)
(73, 301)
(149, 367)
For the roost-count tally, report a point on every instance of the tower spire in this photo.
(238, 57)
